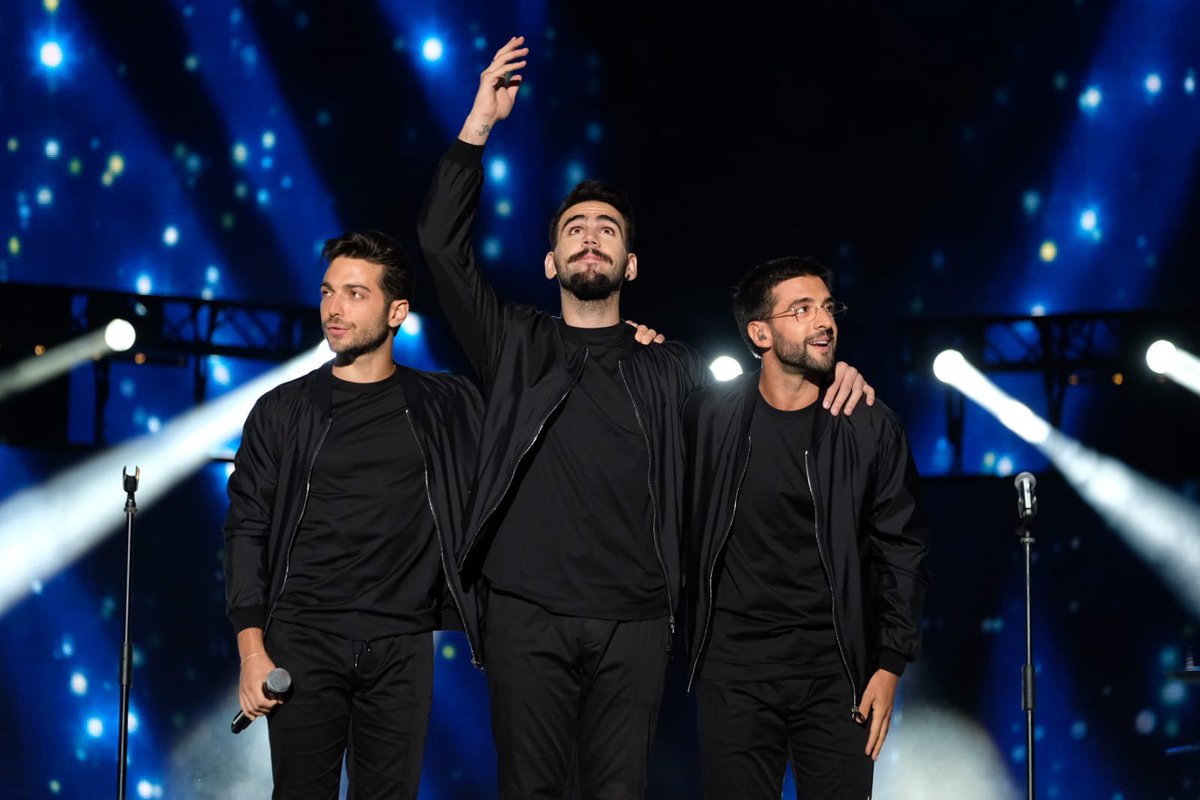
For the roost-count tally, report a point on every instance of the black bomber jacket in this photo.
(871, 531)
(269, 485)
(527, 371)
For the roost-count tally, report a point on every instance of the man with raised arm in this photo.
(573, 524)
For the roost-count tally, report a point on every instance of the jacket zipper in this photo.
(829, 581)
(520, 458)
(287, 564)
(653, 505)
(712, 570)
(441, 546)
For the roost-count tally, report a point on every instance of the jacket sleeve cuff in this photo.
(468, 155)
(249, 617)
(892, 661)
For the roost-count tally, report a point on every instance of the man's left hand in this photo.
(847, 389)
(876, 706)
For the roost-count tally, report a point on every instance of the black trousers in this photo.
(367, 700)
(748, 730)
(573, 699)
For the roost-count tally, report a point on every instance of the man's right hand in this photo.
(256, 664)
(254, 675)
(498, 85)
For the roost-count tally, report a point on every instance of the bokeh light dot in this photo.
(51, 54)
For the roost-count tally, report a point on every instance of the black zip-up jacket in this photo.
(269, 485)
(527, 370)
(871, 530)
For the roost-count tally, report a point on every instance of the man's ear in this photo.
(551, 268)
(631, 267)
(760, 333)
(397, 312)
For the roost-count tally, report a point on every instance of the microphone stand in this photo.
(1028, 676)
(131, 486)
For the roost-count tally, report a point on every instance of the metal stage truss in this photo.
(1066, 349)
(180, 331)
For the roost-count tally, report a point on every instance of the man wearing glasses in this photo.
(806, 572)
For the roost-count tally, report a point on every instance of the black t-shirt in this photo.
(772, 609)
(365, 563)
(576, 535)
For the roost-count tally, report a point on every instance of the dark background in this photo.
(927, 151)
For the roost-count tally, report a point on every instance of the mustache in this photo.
(590, 251)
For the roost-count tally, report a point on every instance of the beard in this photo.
(591, 285)
(796, 358)
(359, 341)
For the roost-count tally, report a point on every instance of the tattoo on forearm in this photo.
(484, 130)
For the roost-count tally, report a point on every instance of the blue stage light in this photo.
(220, 370)
(432, 49)
(95, 727)
(1031, 201)
(575, 172)
(52, 148)
(79, 684)
(170, 236)
(504, 207)
(51, 54)
(144, 284)
(1189, 82)
(1089, 101)
(498, 169)
(491, 248)
(1153, 83)
(1089, 220)
(411, 325)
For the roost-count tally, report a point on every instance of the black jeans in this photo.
(748, 730)
(572, 698)
(368, 700)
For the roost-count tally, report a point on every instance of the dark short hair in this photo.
(754, 296)
(378, 248)
(601, 192)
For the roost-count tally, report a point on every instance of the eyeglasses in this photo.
(805, 311)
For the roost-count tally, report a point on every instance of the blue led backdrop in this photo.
(1016, 181)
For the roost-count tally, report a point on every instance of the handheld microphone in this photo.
(277, 686)
(1026, 499)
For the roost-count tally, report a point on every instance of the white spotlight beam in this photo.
(45, 527)
(1179, 365)
(1159, 525)
(35, 370)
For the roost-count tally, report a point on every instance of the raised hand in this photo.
(498, 85)
(646, 335)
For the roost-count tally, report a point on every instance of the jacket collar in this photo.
(323, 387)
(749, 393)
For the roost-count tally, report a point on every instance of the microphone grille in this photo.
(1023, 478)
(278, 680)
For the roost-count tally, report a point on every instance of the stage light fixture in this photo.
(51, 54)
(1177, 364)
(1159, 524)
(432, 49)
(725, 368)
(48, 363)
(47, 526)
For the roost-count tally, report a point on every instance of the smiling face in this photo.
(590, 258)
(355, 313)
(804, 345)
